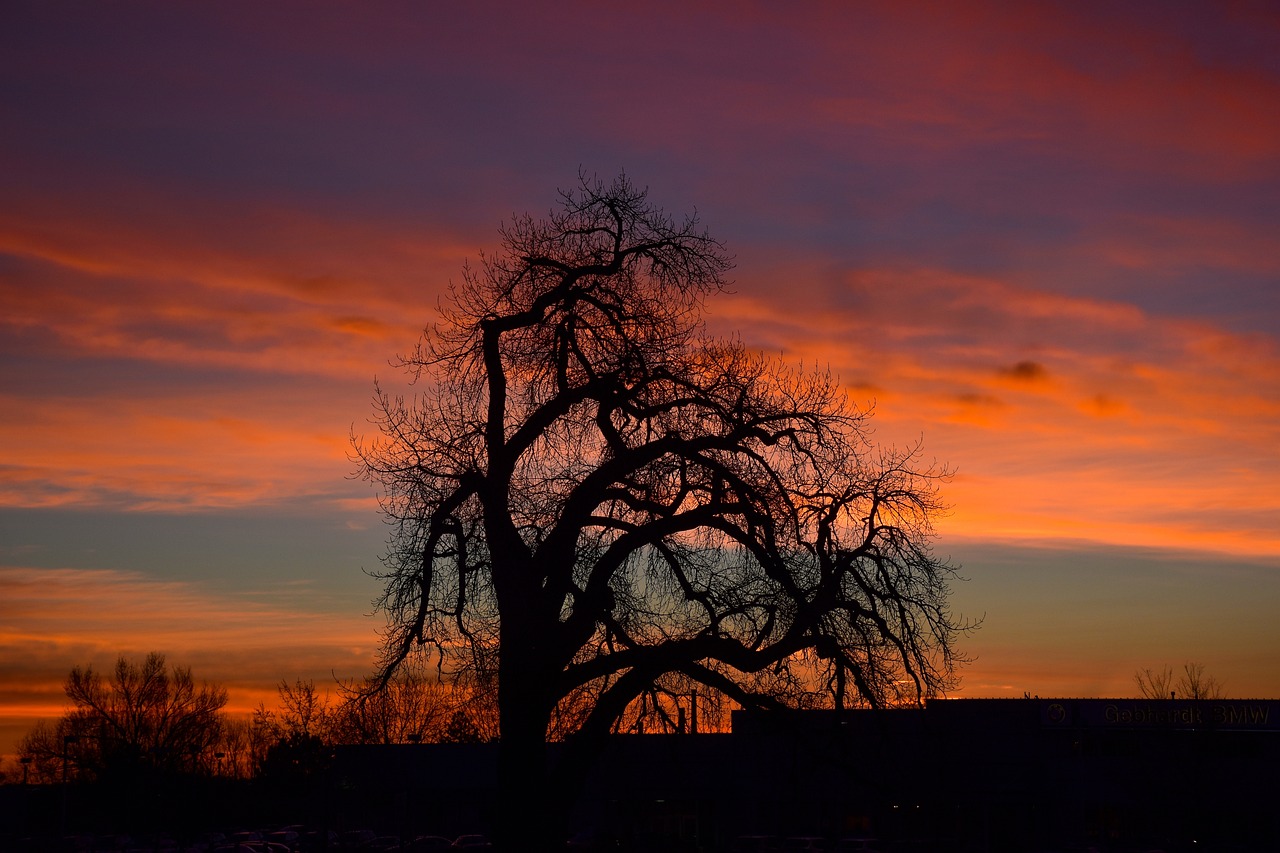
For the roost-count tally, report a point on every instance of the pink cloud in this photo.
(173, 299)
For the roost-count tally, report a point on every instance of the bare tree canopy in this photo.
(589, 494)
(1193, 683)
(144, 716)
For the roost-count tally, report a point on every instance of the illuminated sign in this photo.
(1234, 714)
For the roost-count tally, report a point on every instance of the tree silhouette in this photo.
(411, 708)
(141, 720)
(1193, 683)
(589, 494)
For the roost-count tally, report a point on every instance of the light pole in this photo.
(693, 713)
(67, 740)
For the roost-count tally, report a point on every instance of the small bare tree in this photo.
(303, 713)
(1192, 683)
(409, 708)
(45, 751)
(144, 716)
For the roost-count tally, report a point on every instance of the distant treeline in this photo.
(145, 718)
(149, 720)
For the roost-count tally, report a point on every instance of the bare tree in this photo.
(1154, 684)
(588, 493)
(676, 703)
(409, 708)
(1193, 683)
(144, 717)
(45, 751)
(303, 713)
(241, 749)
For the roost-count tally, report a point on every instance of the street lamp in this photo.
(67, 744)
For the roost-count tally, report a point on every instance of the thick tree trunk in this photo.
(522, 819)
(528, 811)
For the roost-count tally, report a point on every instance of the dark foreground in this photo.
(1006, 776)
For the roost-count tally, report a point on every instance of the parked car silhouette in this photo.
(803, 843)
(857, 845)
(425, 844)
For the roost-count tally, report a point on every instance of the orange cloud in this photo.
(993, 372)
(1066, 416)
(180, 291)
(179, 451)
(53, 619)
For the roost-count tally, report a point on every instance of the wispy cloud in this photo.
(53, 619)
(1066, 415)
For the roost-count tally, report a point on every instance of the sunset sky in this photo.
(1045, 237)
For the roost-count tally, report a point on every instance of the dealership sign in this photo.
(1234, 714)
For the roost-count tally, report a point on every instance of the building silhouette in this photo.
(955, 775)
(967, 774)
